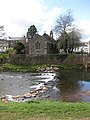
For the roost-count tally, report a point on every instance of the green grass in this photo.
(34, 68)
(71, 67)
(17, 68)
(4, 56)
(44, 110)
(21, 68)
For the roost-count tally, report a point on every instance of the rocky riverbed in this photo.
(38, 91)
(27, 96)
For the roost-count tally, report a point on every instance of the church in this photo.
(39, 45)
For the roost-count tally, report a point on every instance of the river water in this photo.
(68, 86)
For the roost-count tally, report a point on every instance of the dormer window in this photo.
(37, 45)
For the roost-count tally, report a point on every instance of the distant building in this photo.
(83, 47)
(13, 40)
(3, 45)
(8, 42)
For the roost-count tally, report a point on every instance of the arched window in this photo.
(37, 45)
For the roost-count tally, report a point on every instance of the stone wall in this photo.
(46, 59)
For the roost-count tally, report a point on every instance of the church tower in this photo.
(51, 34)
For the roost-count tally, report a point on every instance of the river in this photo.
(67, 86)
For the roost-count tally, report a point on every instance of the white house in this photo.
(84, 46)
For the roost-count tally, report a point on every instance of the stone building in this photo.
(39, 45)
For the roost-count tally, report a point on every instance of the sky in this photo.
(18, 15)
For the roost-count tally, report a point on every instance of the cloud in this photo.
(18, 15)
(84, 25)
(49, 19)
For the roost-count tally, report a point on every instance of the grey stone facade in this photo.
(41, 45)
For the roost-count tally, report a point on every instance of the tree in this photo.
(31, 32)
(10, 50)
(74, 39)
(2, 33)
(19, 47)
(64, 23)
(67, 33)
(63, 44)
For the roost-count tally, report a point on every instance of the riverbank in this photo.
(38, 67)
(44, 110)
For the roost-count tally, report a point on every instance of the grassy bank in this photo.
(18, 68)
(45, 110)
(34, 68)
(70, 67)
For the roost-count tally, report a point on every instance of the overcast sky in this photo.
(18, 15)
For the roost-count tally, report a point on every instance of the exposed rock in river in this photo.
(52, 68)
(31, 94)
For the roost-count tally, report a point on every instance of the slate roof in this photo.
(16, 38)
(48, 38)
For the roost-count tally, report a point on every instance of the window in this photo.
(37, 45)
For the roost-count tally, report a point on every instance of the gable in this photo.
(48, 38)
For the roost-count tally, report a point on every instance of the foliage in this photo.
(31, 32)
(10, 50)
(19, 47)
(17, 68)
(40, 110)
(65, 66)
(21, 68)
(74, 39)
(34, 68)
(53, 49)
(4, 56)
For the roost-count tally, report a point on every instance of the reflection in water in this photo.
(71, 85)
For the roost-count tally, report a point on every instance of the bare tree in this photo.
(64, 23)
(68, 34)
